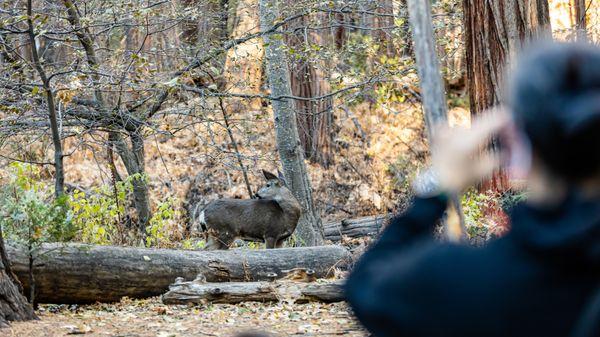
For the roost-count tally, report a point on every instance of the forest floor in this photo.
(133, 318)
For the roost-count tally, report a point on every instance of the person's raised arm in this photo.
(380, 285)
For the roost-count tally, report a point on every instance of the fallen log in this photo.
(78, 273)
(199, 291)
(354, 228)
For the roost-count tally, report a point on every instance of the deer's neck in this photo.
(291, 207)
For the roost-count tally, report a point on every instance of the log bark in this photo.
(355, 228)
(235, 292)
(77, 273)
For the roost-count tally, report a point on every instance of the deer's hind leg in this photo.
(218, 240)
(270, 243)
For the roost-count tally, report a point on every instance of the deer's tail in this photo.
(202, 221)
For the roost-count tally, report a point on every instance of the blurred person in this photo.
(543, 277)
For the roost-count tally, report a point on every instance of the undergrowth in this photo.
(30, 214)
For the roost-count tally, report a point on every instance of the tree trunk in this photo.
(383, 26)
(310, 229)
(494, 32)
(243, 63)
(581, 20)
(315, 117)
(133, 157)
(433, 96)
(199, 291)
(13, 305)
(405, 38)
(59, 178)
(133, 160)
(206, 29)
(77, 273)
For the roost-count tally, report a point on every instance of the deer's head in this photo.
(275, 188)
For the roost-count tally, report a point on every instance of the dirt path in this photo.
(151, 318)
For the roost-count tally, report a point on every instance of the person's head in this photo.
(555, 99)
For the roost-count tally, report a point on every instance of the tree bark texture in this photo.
(307, 79)
(207, 28)
(77, 273)
(433, 95)
(355, 228)
(196, 292)
(310, 230)
(580, 19)
(383, 26)
(13, 305)
(432, 88)
(405, 38)
(244, 62)
(134, 162)
(495, 31)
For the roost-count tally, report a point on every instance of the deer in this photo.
(271, 217)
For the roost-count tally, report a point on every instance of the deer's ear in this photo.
(269, 176)
(281, 178)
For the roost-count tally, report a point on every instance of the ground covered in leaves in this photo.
(132, 318)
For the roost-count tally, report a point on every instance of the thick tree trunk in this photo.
(77, 273)
(405, 38)
(206, 29)
(581, 20)
(13, 305)
(310, 230)
(315, 117)
(243, 64)
(198, 291)
(383, 26)
(494, 32)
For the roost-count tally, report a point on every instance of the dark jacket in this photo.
(535, 281)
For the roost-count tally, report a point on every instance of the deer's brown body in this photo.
(272, 218)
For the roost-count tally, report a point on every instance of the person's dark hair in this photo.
(555, 98)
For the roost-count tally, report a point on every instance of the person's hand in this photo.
(457, 155)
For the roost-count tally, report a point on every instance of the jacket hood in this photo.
(569, 232)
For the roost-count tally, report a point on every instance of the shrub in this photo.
(157, 231)
(29, 213)
(484, 216)
(100, 213)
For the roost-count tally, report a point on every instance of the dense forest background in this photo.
(162, 105)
